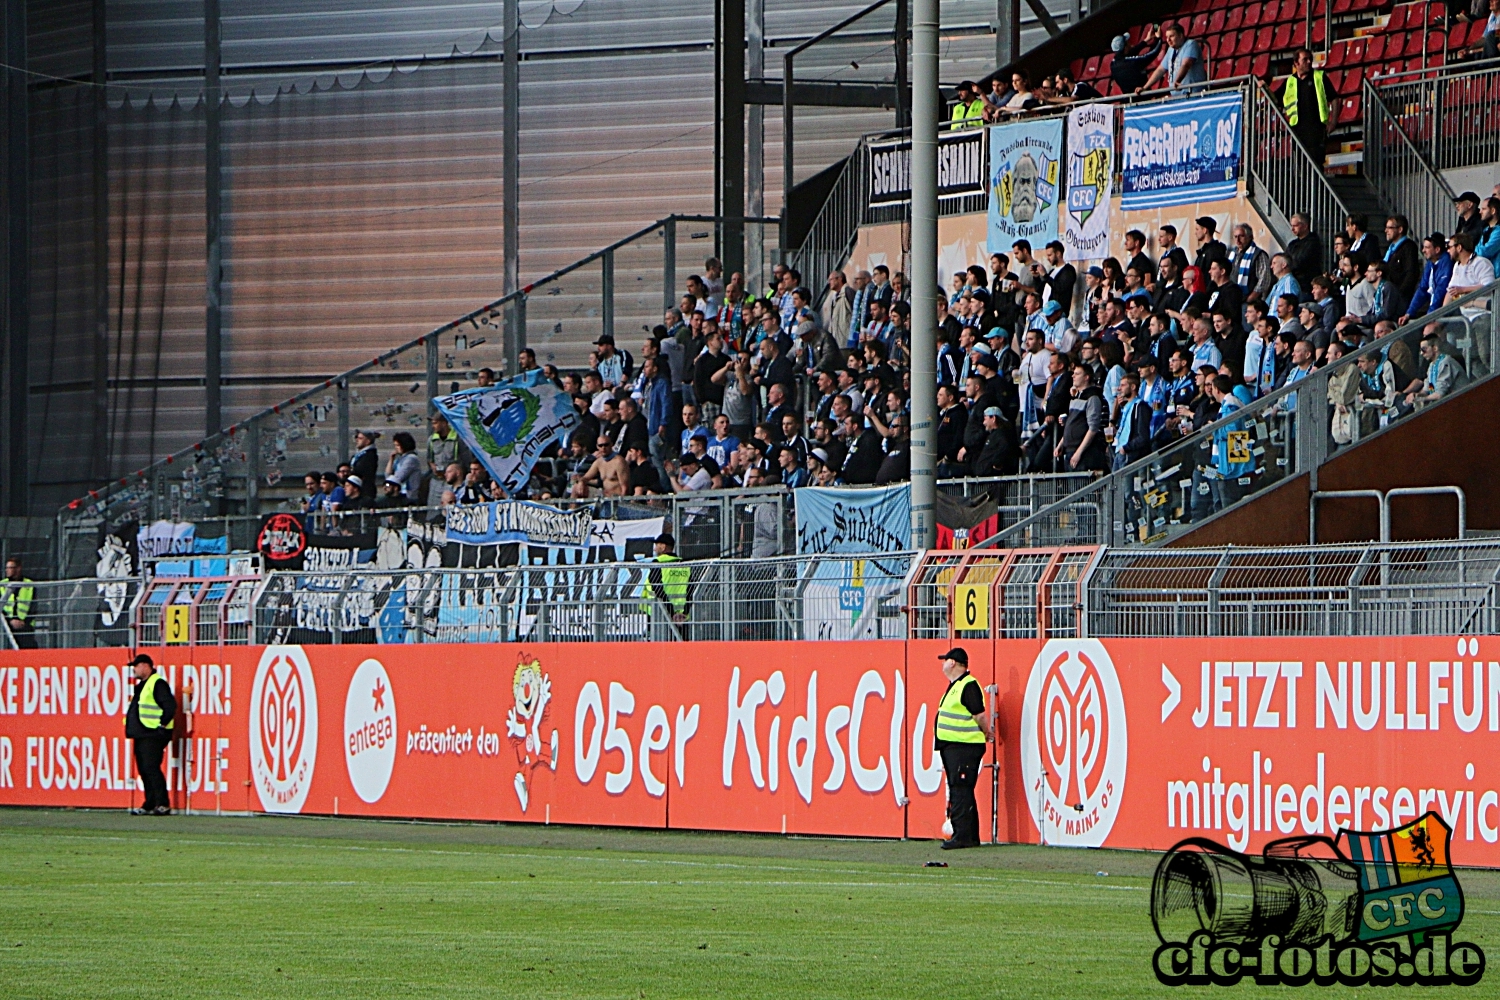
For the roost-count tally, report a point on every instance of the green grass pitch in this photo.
(101, 905)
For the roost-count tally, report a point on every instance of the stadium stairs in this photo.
(1435, 447)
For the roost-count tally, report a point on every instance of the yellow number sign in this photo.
(176, 628)
(971, 607)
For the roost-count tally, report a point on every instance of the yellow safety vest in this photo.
(967, 115)
(674, 583)
(954, 722)
(18, 599)
(1289, 97)
(147, 708)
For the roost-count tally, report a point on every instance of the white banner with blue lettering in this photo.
(1181, 152)
(507, 425)
(851, 521)
(1091, 175)
(1024, 184)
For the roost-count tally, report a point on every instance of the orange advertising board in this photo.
(1122, 743)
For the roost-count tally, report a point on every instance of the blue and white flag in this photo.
(1091, 174)
(853, 521)
(1024, 184)
(507, 425)
(1181, 152)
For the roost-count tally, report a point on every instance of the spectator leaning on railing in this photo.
(1182, 65)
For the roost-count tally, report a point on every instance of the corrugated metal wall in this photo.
(361, 211)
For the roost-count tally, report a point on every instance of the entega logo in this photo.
(1377, 908)
(283, 729)
(370, 730)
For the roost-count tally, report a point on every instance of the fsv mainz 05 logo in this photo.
(1369, 908)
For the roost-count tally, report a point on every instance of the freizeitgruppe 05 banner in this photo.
(1023, 183)
(506, 426)
(1091, 170)
(1181, 152)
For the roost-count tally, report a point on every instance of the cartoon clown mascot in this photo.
(523, 725)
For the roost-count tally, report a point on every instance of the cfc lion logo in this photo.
(532, 690)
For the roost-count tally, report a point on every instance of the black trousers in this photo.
(1314, 139)
(148, 755)
(961, 762)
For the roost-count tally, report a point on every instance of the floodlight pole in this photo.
(924, 283)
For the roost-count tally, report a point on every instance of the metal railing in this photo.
(1451, 114)
(1401, 588)
(1218, 466)
(258, 462)
(1401, 173)
(76, 614)
(1283, 177)
(804, 598)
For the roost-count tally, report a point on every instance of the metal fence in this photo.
(802, 598)
(1451, 115)
(1417, 588)
(76, 614)
(258, 463)
(1283, 178)
(1401, 172)
(1285, 433)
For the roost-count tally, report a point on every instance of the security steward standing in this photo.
(1307, 101)
(19, 593)
(960, 735)
(673, 580)
(148, 722)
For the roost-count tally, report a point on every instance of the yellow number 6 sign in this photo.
(971, 607)
(176, 630)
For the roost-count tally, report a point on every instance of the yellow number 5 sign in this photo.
(971, 607)
(176, 630)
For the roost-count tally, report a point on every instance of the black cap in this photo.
(1467, 196)
(605, 338)
(665, 538)
(957, 655)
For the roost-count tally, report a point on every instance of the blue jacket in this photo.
(658, 404)
(1489, 246)
(1433, 287)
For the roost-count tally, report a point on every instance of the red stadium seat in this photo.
(1282, 39)
(1375, 49)
(1476, 32)
(1435, 43)
(1216, 21)
(1349, 111)
(1356, 50)
(1354, 80)
(1319, 27)
(1336, 80)
(1090, 69)
(1456, 36)
(1104, 65)
(1395, 45)
(1298, 13)
(1252, 14)
(1263, 39)
(1261, 64)
(1234, 18)
(1299, 34)
(1200, 26)
(1249, 41)
(1338, 55)
(1223, 46)
(1241, 66)
(1342, 6)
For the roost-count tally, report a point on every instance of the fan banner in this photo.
(1181, 152)
(1024, 183)
(1091, 175)
(508, 425)
(1130, 743)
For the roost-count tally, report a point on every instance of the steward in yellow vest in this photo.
(673, 580)
(1307, 101)
(148, 723)
(960, 733)
(968, 109)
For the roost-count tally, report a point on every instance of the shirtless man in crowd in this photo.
(609, 471)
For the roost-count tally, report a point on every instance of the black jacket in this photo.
(1062, 284)
(865, 456)
(1404, 268)
(1001, 453)
(1306, 254)
(952, 423)
(168, 702)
